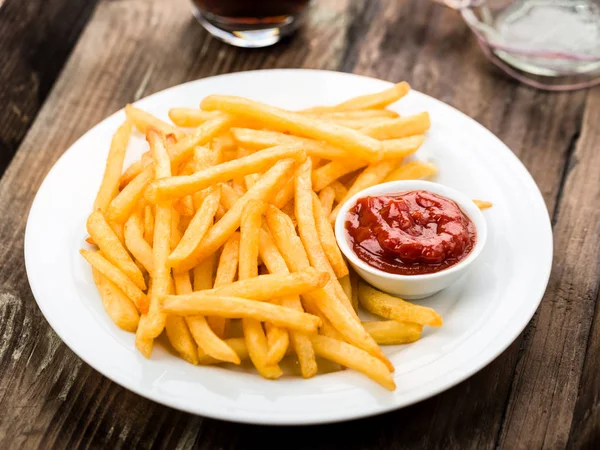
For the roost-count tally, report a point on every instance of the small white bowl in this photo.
(411, 286)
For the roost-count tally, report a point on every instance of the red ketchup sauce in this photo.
(410, 233)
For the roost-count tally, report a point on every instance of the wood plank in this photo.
(36, 37)
(127, 52)
(547, 380)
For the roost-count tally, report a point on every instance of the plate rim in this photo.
(341, 416)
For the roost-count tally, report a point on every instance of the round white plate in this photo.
(483, 313)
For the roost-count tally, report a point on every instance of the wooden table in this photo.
(68, 64)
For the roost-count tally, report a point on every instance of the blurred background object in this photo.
(250, 23)
(548, 44)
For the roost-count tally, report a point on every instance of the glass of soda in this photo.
(250, 23)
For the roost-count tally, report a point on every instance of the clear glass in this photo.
(250, 23)
(549, 44)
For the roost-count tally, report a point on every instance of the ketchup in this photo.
(410, 233)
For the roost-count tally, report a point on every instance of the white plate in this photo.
(483, 313)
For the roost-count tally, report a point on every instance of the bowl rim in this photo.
(467, 206)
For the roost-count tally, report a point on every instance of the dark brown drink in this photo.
(250, 23)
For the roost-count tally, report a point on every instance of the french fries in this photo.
(116, 275)
(238, 308)
(197, 228)
(391, 332)
(348, 139)
(114, 166)
(110, 245)
(220, 234)
(153, 323)
(385, 305)
(143, 121)
(355, 358)
(412, 171)
(377, 100)
(190, 117)
(117, 305)
(483, 204)
(175, 187)
(399, 128)
(264, 288)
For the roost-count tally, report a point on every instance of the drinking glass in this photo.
(250, 23)
(548, 44)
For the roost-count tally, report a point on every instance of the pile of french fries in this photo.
(220, 234)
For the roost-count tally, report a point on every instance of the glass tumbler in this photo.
(549, 44)
(250, 23)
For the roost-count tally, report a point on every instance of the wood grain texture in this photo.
(36, 37)
(539, 393)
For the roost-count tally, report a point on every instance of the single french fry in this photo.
(190, 117)
(216, 236)
(347, 287)
(181, 339)
(149, 224)
(378, 100)
(136, 244)
(238, 308)
(175, 187)
(249, 233)
(357, 124)
(400, 127)
(278, 341)
(300, 342)
(326, 197)
(198, 227)
(327, 240)
(175, 233)
(412, 171)
(307, 229)
(351, 140)
(354, 358)
(130, 173)
(285, 194)
(227, 269)
(340, 190)
(153, 323)
(228, 262)
(144, 121)
(238, 345)
(256, 341)
(200, 331)
(123, 204)
(203, 159)
(204, 273)
(401, 147)
(483, 204)
(261, 139)
(184, 206)
(354, 286)
(261, 287)
(110, 245)
(372, 175)
(357, 114)
(391, 332)
(114, 166)
(330, 172)
(117, 276)
(394, 308)
(117, 305)
(291, 249)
